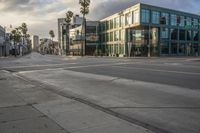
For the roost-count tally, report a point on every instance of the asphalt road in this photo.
(159, 94)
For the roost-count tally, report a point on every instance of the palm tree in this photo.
(16, 38)
(84, 11)
(52, 35)
(68, 20)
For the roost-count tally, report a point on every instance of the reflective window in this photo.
(116, 36)
(174, 34)
(189, 35)
(111, 24)
(164, 33)
(173, 19)
(121, 21)
(182, 49)
(128, 18)
(164, 47)
(145, 16)
(136, 16)
(111, 36)
(117, 22)
(174, 47)
(182, 35)
(195, 23)
(166, 16)
(196, 35)
(189, 21)
(182, 21)
(155, 17)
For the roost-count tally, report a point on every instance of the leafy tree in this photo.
(52, 35)
(24, 29)
(69, 16)
(16, 37)
(84, 10)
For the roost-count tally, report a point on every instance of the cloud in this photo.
(41, 15)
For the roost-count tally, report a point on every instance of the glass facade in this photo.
(155, 17)
(171, 33)
(145, 16)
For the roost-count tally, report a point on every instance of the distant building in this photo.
(63, 32)
(35, 42)
(4, 46)
(77, 46)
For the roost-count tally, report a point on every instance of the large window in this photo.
(166, 16)
(173, 20)
(117, 22)
(174, 48)
(111, 24)
(164, 33)
(189, 35)
(155, 17)
(116, 36)
(111, 36)
(121, 21)
(136, 16)
(195, 23)
(196, 35)
(189, 22)
(174, 34)
(182, 21)
(145, 16)
(164, 47)
(182, 35)
(128, 18)
(182, 49)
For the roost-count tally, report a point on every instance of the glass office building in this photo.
(145, 30)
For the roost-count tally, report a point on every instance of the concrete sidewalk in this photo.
(26, 107)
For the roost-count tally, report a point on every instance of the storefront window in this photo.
(164, 48)
(174, 34)
(174, 47)
(155, 17)
(196, 35)
(182, 49)
(164, 33)
(173, 19)
(182, 35)
(145, 16)
(189, 35)
(166, 16)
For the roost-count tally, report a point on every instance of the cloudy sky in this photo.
(41, 15)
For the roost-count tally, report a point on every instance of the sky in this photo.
(41, 15)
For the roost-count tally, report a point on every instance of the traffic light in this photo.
(163, 20)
